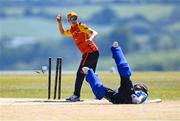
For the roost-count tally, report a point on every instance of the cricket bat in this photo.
(154, 101)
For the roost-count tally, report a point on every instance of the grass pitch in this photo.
(164, 85)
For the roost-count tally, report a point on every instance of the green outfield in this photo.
(164, 85)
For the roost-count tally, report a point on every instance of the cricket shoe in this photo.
(73, 98)
(85, 70)
(115, 44)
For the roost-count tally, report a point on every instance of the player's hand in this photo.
(88, 41)
(59, 18)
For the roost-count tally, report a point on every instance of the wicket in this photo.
(57, 78)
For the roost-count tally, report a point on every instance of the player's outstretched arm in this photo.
(59, 20)
(60, 26)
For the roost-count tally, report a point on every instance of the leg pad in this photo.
(95, 84)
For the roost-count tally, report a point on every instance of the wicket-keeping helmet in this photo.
(141, 86)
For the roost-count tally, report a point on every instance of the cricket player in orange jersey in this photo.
(83, 37)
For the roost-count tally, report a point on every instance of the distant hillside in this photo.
(147, 33)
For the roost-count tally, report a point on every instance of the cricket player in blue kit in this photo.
(127, 93)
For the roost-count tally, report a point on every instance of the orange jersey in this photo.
(81, 33)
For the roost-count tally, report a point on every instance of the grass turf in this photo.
(164, 85)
